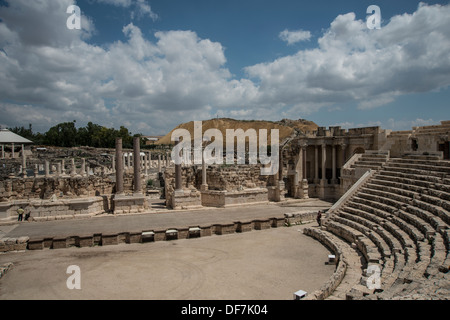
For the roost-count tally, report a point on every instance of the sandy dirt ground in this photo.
(256, 265)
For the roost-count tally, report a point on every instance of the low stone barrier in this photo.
(138, 236)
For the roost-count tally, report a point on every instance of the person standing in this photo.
(20, 212)
(319, 217)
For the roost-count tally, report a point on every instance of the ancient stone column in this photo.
(343, 147)
(119, 166)
(324, 163)
(3, 151)
(36, 171)
(167, 159)
(63, 168)
(137, 165)
(333, 165)
(83, 167)
(280, 167)
(24, 162)
(113, 164)
(177, 174)
(316, 165)
(58, 169)
(73, 171)
(304, 164)
(204, 185)
(47, 169)
(13, 150)
(159, 163)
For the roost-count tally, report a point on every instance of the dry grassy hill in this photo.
(286, 127)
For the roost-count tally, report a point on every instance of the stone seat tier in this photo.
(387, 259)
(393, 207)
(434, 167)
(375, 215)
(353, 166)
(427, 162)
(345, 254)
(421, 179)
(434, 171)
(435, 190)
(364, 246)
(416, 258)
(412, 231)
(437, 206)
(389, 247)
(436, 222)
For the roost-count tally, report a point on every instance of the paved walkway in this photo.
(163, 219)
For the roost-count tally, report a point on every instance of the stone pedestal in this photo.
(129, 203)
(185, 199)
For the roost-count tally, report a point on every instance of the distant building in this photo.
(150, 140)
(10, 138)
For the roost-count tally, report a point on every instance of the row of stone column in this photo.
(120, 162)
(146, 162)
(12, 150)
(323, 180)
(60, 169)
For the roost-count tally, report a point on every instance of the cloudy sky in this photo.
(152, 64)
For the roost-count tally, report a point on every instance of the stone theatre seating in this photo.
(398, 223)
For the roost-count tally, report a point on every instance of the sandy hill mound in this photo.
(286, 127)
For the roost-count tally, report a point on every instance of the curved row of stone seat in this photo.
(413, 166)
(348, 271)
(389, 247)
(416, 194)
(439, 252)
(401, 237)
(432, 165)
(376, 251)
(425, 204)
(423, 220)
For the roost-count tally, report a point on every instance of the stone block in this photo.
(183, 233)
(261, 224)
(59, 243)
(277, 222)
(48, 242)
(226, 228)
(243, 226)
(35, 244)
(134, 237)
(85, 241)
(160, 235)
(122, 237)
(109, 239)
(71, 241)
(205, 231)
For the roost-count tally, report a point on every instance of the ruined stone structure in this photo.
(389, 229)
